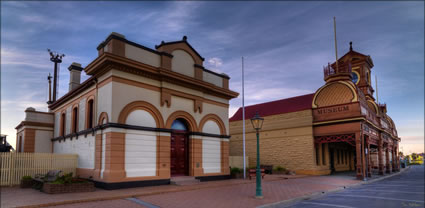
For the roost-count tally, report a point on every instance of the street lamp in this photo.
(257, 123)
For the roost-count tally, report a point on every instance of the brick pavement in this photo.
(234, 193)
(243, 195)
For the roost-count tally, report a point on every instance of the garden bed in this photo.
(52, 188)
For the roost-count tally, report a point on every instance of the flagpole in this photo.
(336, 47)
(243, 121)
(376, 84)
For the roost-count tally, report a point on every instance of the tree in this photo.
(414, 156)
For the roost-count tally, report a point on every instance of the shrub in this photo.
(26, 178)
(65, 179)
(235, 170)
(279, 168)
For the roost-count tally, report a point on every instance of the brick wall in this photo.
(285, 140)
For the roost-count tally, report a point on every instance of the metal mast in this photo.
(57, 59)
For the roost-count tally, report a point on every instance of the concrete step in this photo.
(184, 180)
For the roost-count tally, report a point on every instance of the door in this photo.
(179, 154)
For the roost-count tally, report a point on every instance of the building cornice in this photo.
(131, 127)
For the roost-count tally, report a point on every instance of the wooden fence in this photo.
(15, 165)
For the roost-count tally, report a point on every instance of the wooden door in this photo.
(179, 154)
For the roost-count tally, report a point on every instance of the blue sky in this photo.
(285, 45)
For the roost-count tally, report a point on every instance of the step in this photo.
(184, 180)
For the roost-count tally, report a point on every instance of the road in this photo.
(401, 191)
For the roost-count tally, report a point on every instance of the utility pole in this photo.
(57, 59)
(49, 78)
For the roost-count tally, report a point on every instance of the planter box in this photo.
(27, 183)
(68, 188)
(237, 175)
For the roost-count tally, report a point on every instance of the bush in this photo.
(279, 168)
(65, 179)
(235, 170)
(26, 178)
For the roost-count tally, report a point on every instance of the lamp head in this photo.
(257, 121)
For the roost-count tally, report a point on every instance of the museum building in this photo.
(142, 117)
(340, 127)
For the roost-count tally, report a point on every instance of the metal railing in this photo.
(343, 68)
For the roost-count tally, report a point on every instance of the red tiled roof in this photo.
(287, 105)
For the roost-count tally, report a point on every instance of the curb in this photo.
(319, 194)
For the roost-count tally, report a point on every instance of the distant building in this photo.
(144, 115)
(329, 130)
(4, 145)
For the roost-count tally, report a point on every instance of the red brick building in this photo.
(340, 127)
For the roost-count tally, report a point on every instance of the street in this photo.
(404, 190)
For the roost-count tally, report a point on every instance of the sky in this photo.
(285, 46)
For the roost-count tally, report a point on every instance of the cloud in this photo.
(34, 58)
(269, 94)
(215, 62)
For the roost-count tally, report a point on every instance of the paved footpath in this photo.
(401, 191)
(227, 193)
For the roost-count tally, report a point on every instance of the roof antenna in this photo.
(351, 45)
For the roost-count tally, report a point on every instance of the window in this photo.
(90, 115)
(63, 120)
(75, 120)
(323, 155)
(317, 155)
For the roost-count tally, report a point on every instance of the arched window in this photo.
(90, 114)
(75, 120)
(179, 124)
(63, 121)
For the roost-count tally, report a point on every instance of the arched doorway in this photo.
(179, 148)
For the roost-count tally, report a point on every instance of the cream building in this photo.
(144, 116)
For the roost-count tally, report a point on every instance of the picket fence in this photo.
(16, 165)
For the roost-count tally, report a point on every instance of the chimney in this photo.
(74, 75)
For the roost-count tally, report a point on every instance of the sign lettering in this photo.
(333, 110)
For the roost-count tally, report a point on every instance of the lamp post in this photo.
(257, 123)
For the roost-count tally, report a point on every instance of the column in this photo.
(114, 157)
(98, 156)
(380, 157)
(369, 163)
(359, 172)
(387, 160)
(393, 162)
(163, 155)
(398, 158)
(195, 156)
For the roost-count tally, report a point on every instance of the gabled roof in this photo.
(184, 40)
(287, 105)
